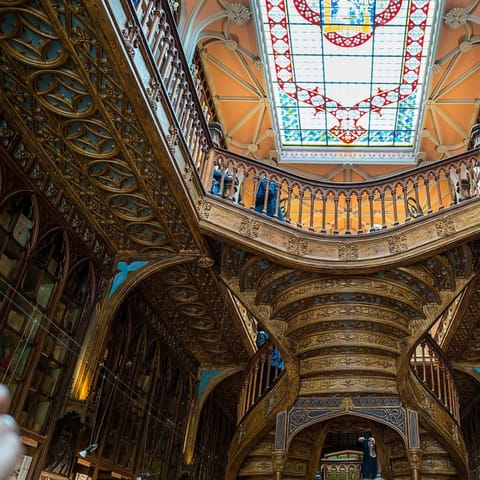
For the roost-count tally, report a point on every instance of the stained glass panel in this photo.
(348, 73)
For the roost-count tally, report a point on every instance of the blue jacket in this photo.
(276, 359)
(217, 180)
(272, 198)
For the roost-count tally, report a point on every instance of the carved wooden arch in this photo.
(109, 304)
(134, 277)
(210, 379)
(306, 412)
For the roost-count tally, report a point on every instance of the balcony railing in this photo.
(435, 372)
(345, 208)
(315, 206)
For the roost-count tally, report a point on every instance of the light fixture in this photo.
(91, 448)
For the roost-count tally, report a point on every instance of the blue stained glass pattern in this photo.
(348, 73)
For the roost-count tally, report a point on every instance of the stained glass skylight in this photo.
(347, 76)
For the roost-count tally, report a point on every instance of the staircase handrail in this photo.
(259, 377)
(434, 371)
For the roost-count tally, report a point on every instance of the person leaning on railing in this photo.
(10, 444)
(227, 183)
(271, 192)
(272, 366)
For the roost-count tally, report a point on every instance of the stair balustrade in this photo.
(347, 208)
(260, 376)
(433, 369)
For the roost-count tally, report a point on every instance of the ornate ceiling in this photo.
(230, 54)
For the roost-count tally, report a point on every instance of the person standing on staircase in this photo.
(273, 365)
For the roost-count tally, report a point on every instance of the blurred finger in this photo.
(10, 450)
(4, 398)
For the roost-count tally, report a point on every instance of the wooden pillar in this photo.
(415, 463)
(279, 459)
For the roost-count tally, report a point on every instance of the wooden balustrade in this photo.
(322, 207)
(435, 372)
(174, 76)
(260, 376)
(341, 469)
(348, 208)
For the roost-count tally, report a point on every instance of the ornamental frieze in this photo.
(348, 311)
(347, 385)
(309, 410)
(443, 465)
(347, 361)
(312, 302)
(378, 325)
(377, 286)
(355, 338)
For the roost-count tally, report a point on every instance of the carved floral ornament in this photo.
(237, 13)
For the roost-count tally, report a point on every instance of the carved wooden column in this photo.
(415, 463)
(475, 136)
(279, 459)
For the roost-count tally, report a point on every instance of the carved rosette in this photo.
(397, 243)
(297, 245)
(249, 227)
(237, 13)
(204, 209)
(347, 251)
